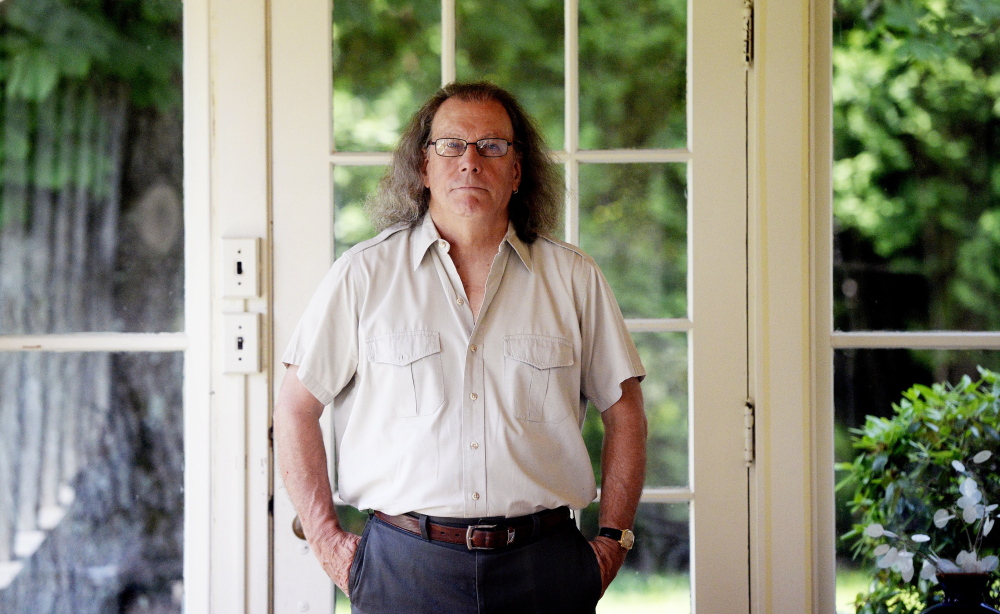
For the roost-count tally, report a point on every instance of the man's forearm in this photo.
(301, 455)
(303, 464)
(623, 458)
(623, 468)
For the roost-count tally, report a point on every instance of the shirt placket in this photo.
(474, 474)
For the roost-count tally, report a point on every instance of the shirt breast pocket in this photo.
(408, 366)
(530, 363)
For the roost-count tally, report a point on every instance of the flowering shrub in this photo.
(927, 486)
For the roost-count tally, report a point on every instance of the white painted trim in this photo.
(653, 325)
(302, 239)
(932, 340)
(822, 437)
(782, 549)
(98, 342)
(238, 421)
(197, 308)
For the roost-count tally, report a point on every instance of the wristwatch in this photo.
(624, 537)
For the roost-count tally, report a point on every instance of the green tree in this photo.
(916, 178)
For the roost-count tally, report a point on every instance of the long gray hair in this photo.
(402, 198)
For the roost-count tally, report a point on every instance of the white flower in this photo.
(989, 564)
(881, 549)
(946, 566)
(941, 518)
(959, 467)
(982, 457)
(972, 513)
(920, 538)
(987, 526)
(889, 559)
(904, 564)
(874, 530)
(928, 572)
(968, 561)
(969, 488)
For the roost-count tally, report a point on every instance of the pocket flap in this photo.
(404, 347)
(539, 351)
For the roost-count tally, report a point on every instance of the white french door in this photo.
(661, 203)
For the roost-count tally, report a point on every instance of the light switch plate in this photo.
(240, 268)
(241, 345)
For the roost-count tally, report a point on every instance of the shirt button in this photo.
(475, 496)
(473, 347)
(444, 245)
(474, 445)
(460, 301)
(473, 396)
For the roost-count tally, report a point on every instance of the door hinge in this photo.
(748, 432)
(748, 33)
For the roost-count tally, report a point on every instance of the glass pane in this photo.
(656, 576)
(91, 168)
(386, 63)
(633, 73)
(91, 482)
(666, 402)
(519, 46)
(868, 383)
(351, 186)
(633, 221)
(915, 179)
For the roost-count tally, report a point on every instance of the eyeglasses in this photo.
(488, 148)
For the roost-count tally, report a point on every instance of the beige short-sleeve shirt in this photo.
(440, 414)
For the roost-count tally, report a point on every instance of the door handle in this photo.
(297, 528)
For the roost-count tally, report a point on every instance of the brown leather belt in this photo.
(503, 533)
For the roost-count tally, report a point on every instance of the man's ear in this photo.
(423, 170)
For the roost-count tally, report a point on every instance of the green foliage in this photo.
(133, 42)
(902, 474)
(917, 174)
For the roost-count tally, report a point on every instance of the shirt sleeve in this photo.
(325, 342)
(608, 355)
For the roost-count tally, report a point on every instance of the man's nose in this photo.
(471, 161)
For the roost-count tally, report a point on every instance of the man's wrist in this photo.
(623, 537)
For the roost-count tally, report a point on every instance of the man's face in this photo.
(471, 186)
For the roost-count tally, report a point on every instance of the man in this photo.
(458, 350)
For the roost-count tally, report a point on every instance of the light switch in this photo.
(240, 268)
(242, 343)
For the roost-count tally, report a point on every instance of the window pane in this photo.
(915, 179)
(386, 63)
(633, 221)
(91, 482)
(91, 169)
(519, 46)
(633, 74)
(656, 576)
(868, 383)
(351, 186)
(665, 395)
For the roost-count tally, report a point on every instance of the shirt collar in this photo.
(426, 234)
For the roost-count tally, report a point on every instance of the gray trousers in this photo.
(398, 572)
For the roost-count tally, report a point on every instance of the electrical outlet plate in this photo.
(242, 343)
(240, 268)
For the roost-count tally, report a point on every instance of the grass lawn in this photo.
(850, 582)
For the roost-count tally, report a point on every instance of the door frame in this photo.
(300, 163)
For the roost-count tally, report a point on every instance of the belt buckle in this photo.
(472, 528)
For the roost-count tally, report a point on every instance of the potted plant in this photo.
(927, 489)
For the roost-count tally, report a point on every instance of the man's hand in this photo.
(610, 556)
(336, 553)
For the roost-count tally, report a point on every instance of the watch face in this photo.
(628, 539)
